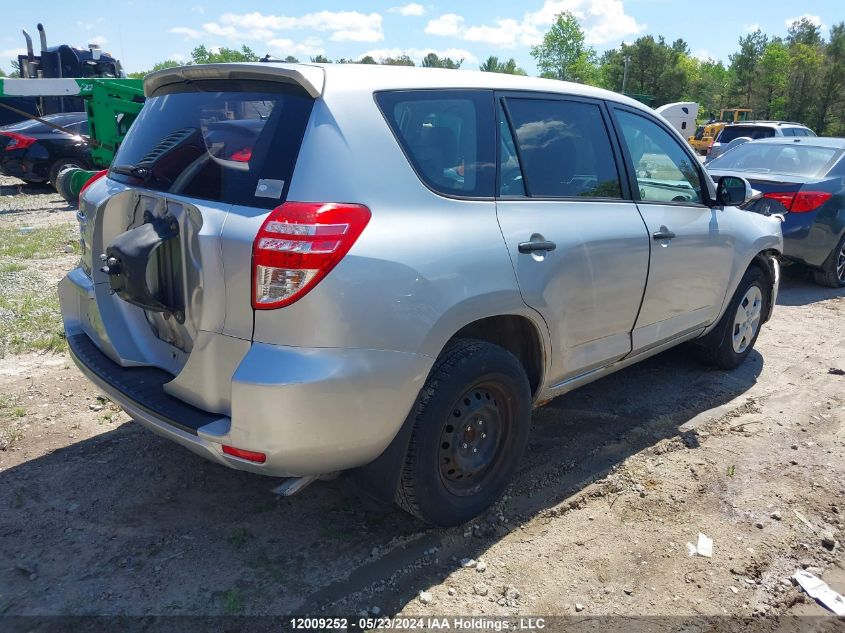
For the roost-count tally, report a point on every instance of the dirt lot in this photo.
(100, 516)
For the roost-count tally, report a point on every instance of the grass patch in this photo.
(38, 243)
(29, 317)
(232, 601)
(11, 267)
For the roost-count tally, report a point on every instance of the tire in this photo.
(730, 343)
(452, 474)
(62, 184)
(61, 164)
(832, 272)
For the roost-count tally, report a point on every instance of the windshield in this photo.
(751, 131)
(223, 145)
(792, 160)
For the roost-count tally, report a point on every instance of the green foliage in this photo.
(367, 59)
(167, 63)
(203, 55)
(322, 59)
(402, 60)
(432, 60)
(493, 65)
(563, 53)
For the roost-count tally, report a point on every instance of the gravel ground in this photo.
(100, 516)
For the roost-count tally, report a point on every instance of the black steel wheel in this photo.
(471, 423)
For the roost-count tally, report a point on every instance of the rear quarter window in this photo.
(223, 141)
(448, 136)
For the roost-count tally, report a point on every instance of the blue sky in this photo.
(141, 32)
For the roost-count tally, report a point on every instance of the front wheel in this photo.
(471, 423)
(733, 338)
(832, 272)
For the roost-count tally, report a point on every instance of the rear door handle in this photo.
(663, 234)
(533, 247)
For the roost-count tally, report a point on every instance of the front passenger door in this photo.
(691, 243)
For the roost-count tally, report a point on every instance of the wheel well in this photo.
(763, 261)
(518, 335)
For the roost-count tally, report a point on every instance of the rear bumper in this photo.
(806, 240)
(309, 410)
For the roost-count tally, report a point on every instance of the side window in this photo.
(447, 135)
(510, 174)
(665, 172)
(788, 131)
(564, 148)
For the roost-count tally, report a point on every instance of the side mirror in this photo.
(733, 191)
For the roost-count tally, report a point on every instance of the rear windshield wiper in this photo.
(142, 173)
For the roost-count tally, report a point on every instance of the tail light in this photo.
(250, 456)
(91, 181)
(298, 244)
(242, 155)
(19, 141)
(800, 201)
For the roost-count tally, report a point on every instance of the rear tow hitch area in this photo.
(294, 485)
(126, 263)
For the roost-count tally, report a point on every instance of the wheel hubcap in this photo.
(471, 438)
(840, 265)
(747, 319)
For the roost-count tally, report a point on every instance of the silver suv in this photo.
(736, 134)
(297, 270)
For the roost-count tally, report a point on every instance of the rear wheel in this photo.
(732, 340)
(471, 424)
(61, 164)
(832, 272)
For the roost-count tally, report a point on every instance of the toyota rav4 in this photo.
(298, 270)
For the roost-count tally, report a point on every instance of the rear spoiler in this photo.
(309, 78)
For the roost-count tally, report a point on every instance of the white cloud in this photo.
(282, 47)
(11, 53)
(702, 55)
(418, 53)
(198, 9)
(409, 9)
(750, 28)
(345, 26)
(816, 20)
(99, 40)
(448, 24)
(603, 21)
(190, 34)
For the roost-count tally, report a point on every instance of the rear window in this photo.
(35, 126)
(448, 137)
(792, 159)
(753, 132)
(232, 142)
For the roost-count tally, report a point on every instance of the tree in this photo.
(432, 60)
(167, 63)
(833, 81)
(290, 59)
(367, 59)
(402, 60)
(16, 69)
(563, 53)
(744, 64)
(2, 73)
(202, 55)
(772, 79)
(493, 65)
(321, 59)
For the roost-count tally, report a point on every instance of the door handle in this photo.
(539, 245)
(663, 234)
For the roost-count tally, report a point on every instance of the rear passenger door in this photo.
(578, 245)
(691, 243)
